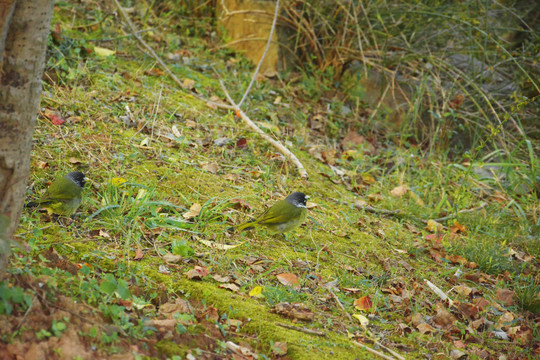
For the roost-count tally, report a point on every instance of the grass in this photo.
(144, 178)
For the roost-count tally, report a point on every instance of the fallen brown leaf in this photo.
(352, 140)
(191, 124)
(241, 143)
(241, 204)
(417, 319)
(399, 191)
(179, 306)
(171, 258)
(467, 309)
(154, 72)
(443, 317)
(456, 259)
(42, 164)
(505, 296)
(139, 255)
(478, 324)
(56, 120)
(297, 311)
(163, 325)
(289, 279)
(197, 273)
(458, 228)
(463, 290)
(434, 226)
(456, 101)
(523, 335)
(481, 303)
(280, 348)
(212, 168)
(425, 328)
(329, 156)
(194, 211)
(363, 303)
(221, 279)
(189, 84)
(505, 320)
(230, 286)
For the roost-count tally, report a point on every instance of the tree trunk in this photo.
(24, 29)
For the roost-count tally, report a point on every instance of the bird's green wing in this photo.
(279, 213)
(61, 190)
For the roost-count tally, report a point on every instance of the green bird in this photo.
(283, 216)
(64, 196)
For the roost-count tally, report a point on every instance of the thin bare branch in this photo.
(375, 352)
(262, 57)
(301, 329)
(282, 149)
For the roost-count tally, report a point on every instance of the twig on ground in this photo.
(438, 291)
(28, 232)
(26, 313)
(119, 37)
(301, 329)
(481, 206)
(399, 213)
(376, 342)
(340, 304)
(390, 350)
(363, 346)
(282, 149)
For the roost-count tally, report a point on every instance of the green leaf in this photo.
(93, 332)
(108, 287)
(181, 329)
(123, 289)
(181, 248)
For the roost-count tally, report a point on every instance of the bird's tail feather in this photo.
(31, 204)
(246, 226)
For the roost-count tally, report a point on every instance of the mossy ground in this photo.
(165, 169)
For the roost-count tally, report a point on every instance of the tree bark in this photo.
(24, 30)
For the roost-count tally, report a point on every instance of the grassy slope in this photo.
(379, 256)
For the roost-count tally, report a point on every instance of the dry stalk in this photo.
(280, 147)
(301, 329)
(375, 352)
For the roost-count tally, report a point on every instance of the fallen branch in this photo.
(369, 332)
(390, 350)
(340, 305)
(399, 213)
(281, 148)
(438, 291)
(363, 346)
(481, 206)
(302, 329)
